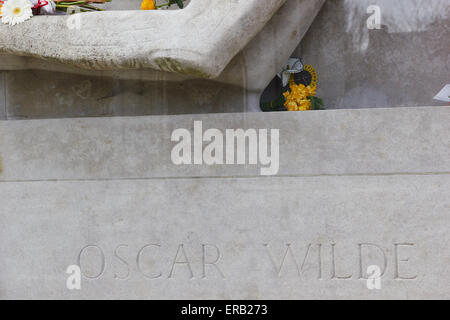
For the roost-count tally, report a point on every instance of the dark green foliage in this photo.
(316, 103)
(178, 2)
(275, 105)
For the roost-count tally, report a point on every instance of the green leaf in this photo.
(316, 103)
(180, 4)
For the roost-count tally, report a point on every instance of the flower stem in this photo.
(162, 5)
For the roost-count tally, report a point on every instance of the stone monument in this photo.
(189, 196)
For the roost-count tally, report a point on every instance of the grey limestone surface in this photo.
(405, 63)
(378, 141)
(45, 94)
(355, 188)
(2, 96)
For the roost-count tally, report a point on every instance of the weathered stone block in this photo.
(355, 188)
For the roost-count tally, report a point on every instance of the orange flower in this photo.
(148, 5)
(297, 97)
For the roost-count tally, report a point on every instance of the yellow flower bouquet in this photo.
(297, 98)
(299, 95)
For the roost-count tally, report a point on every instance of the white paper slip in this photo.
(444, 94)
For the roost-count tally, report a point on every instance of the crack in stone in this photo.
(387, 174)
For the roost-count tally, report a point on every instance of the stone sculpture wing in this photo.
(199, 40)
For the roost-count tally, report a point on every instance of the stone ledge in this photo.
(334, 142)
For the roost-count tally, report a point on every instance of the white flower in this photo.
(48, 8)
(16, 11)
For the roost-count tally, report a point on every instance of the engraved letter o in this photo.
(102, 269)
